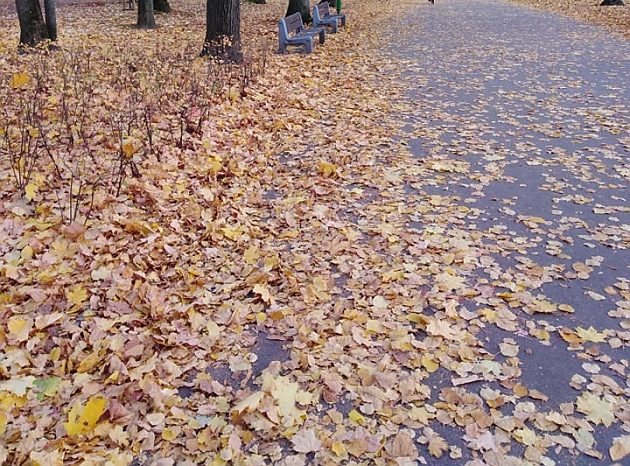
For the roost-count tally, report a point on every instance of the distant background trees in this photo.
(223, 22)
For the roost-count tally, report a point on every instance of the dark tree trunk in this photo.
(223, 30)
(146, 19)
(301, 7)
(50, 7)
(32, 26)
(162, 6)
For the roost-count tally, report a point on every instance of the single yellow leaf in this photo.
(429, 364)
(19, 328)
(252, 255)
(591, 335)
(596, 409)
(30, 190)
(20, 80)
(233, 233)
(338, 449)
(89, 362)
(83, 419)
(169, 434)
(213, 329)
(263, 291)
(27, 253)
(77, 295)
(356, 417)
(249, 404)
(326, 169)
(285, 393)
(437, 446)
(128, 149)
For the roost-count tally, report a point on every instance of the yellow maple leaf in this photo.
(77, 295)
(596, 409)
(83, 419)
(437, 446)
(128, 149)
(19, 328)
(263, 291)
(326, 169)
(429, 364)
(20, 80)
(285, 393)
(233, 233)
(249, 404)
(30, 191)
(251, 255)
(89, 362)
(338, 449)
(591, 335)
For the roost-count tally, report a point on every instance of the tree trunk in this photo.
(223, 30)
(32, 27)
(301, 7)
(146, 19)
(50, 7)
(162, 6)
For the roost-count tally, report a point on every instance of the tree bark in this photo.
(32, 26)
(146, 18)
(223, 30)
(301, 7)
(50, 7)
(162, 6)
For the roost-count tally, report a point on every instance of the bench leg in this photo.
(322, 36)
(282, 47)
(309, 46)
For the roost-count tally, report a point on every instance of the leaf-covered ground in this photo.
(616, 18)
(409, 247)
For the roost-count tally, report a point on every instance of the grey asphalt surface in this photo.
(537, 104)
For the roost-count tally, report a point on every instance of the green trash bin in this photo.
(338, 6)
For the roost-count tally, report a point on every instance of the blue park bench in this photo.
(291, 31)
(322, 17)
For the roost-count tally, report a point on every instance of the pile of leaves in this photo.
(217, 265)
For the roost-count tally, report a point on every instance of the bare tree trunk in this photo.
(50, 7)
(301, 7)
(32, 27)
(162, 6)
(146, 19)
(223, 30)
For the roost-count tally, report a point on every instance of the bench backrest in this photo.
(294, 23)
(323, 9)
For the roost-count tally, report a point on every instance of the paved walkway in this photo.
(523, 118)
